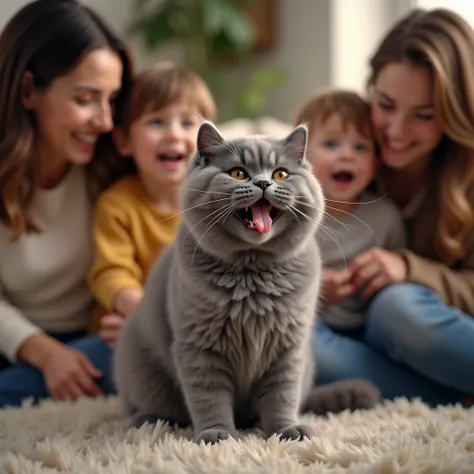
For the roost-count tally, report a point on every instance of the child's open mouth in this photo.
(343, 178)
(171, 161)
(259, 216)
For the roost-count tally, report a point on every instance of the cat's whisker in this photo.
(231, 211)
(334, 239)
(205, 232)
(333, 231)
(348, 227)
(197, 190)
(193, 207)
(224, 210)
(315, 199)
(342, 202)
(310, 219)
(317, 228)
(333, 234)
(357, 218)
(345, 225)
(293, 213)
(203, 219)
(207, 192)
(357, 202)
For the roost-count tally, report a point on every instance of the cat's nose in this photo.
(263, 184)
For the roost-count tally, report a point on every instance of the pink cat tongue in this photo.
(261, 216)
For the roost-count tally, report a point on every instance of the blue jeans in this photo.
(413, 345)
(21, 381)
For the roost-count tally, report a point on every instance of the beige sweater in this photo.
(43, 276)
(454, 284)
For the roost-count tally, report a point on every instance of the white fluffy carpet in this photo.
(89, 437)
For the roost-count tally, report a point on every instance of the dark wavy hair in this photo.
(47, 38)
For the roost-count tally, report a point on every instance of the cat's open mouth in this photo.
(259, 216)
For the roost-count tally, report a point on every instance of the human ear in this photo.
(29, 92)
(121, 141)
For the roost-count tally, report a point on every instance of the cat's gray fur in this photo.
(222, 337)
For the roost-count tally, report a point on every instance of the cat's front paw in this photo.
(296, 432)
(213, 435)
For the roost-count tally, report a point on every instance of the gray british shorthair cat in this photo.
(222, 338)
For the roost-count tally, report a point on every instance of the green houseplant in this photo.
(215, 36)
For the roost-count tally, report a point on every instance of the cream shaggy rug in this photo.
(90, 437)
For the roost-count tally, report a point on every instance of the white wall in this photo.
(320, 42)
(302, 52)
(8, 8)
(356, 27)
(302, 49)
(463, 7)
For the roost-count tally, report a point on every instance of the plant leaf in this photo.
(251, 98)
(168, 20)
(223, 19)
(266, 77)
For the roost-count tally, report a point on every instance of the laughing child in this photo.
(138, 217)
(341, 149)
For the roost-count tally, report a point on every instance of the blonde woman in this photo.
(421, 318)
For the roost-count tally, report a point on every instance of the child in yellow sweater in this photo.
(137, 217)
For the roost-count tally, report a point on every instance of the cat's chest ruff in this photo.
(252, 309)
(245, 283)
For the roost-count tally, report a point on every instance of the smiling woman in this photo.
(421, 317)
(62, 75)
(72, 113)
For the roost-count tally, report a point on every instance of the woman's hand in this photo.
(69, 374)
(377, 268)
(110, 326)
(336, 285)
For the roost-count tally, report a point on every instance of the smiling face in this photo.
(252, 193)
(73, 111)
(162, 143)
(403, 115)
(342, 158)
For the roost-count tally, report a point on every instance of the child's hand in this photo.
(377, 268)
(110, 326)
(336, 285)
(127, 300)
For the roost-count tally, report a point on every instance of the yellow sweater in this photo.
(129, 234)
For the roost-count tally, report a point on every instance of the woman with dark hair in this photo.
(63, 73)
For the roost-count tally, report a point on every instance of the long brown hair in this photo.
(442, 41)
(47, 38)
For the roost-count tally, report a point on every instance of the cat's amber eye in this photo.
(238, 173)
(280, 175)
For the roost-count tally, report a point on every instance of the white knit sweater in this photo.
(43, 276)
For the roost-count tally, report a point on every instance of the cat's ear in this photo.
(209, 140)
(294, 144)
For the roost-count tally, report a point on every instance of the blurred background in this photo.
(260, 57)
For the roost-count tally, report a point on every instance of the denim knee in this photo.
(400, 320)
